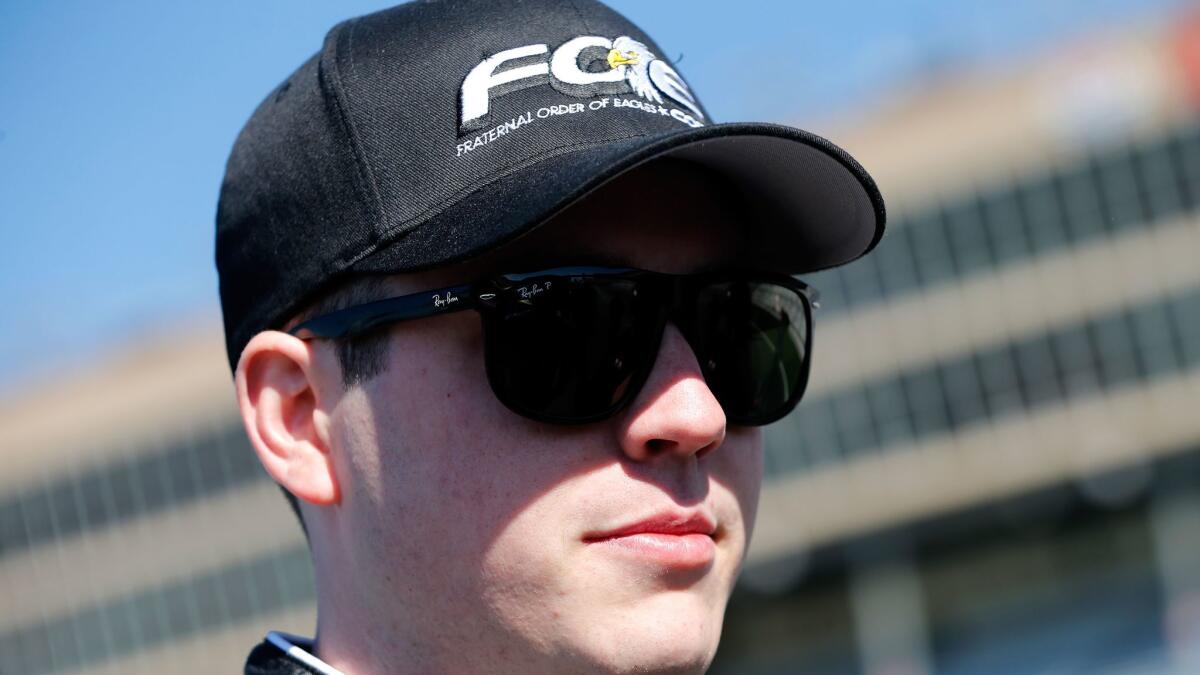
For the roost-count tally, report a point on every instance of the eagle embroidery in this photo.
(649, 75)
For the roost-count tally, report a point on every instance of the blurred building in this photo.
(996, 467)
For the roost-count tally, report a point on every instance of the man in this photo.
(507, 312)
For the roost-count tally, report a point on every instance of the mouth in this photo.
(674, 539)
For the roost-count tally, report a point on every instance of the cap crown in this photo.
(405, 112)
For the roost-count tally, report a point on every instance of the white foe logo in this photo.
(616, 66)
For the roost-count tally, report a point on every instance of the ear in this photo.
(277, 395)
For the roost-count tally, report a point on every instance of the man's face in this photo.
(470, 539)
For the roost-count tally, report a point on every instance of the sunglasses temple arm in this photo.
(810, 293)
(814, 297)
(357, 320)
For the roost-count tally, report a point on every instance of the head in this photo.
(451, 533)
(448, 532)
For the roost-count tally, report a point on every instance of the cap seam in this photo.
(579, 15)
(366, 183)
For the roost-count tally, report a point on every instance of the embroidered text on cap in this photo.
(589, 65)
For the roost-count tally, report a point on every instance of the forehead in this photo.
(667, 216)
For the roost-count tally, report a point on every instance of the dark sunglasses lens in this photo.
(752, 341)
(570, 349)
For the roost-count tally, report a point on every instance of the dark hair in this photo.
(359, 358)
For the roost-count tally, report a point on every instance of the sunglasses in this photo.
(575, 345)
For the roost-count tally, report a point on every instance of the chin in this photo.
(654, 654)
(669, 633)
(665, 658)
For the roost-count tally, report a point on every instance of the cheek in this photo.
(431, 404)
(408, 430)
(444, 465)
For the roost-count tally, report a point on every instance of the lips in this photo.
(667, 523)
(670, 539)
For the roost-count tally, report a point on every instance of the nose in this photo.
(675, 413)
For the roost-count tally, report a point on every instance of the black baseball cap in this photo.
(426, 134)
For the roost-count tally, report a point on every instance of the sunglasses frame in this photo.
(482, 296)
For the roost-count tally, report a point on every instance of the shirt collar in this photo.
(299, 649)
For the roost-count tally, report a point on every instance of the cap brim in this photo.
(812, 206)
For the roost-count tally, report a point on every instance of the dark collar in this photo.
(285, 654)
(267, 659)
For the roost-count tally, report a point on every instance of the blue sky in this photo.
(116, 119)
